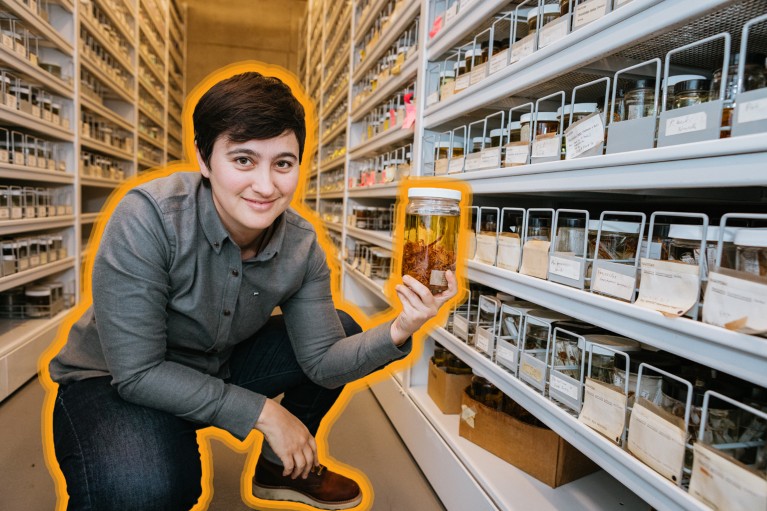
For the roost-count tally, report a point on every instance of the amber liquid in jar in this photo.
(430, 248)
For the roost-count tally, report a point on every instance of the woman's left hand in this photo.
(418, 305)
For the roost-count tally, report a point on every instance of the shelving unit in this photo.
(725, 174)
(68, 33)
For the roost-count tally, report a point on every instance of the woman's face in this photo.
(252, 182)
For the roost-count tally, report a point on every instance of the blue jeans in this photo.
(116, 455)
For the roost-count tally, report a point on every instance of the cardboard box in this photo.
(446, 389)
(538, 451)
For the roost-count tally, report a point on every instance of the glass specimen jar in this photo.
(497, 136)
(477, 142)
(564, 7)
(538, 228)
(580, 111)
(454, 365)
(38, 301)
(691, 92)
(751, 249)
(602, 364)
(652, 382)
(571, 233)
(640, 100)
(432, 222)
(669, 83)
(440, 355)
(684, 245)
(525, 127)
(515, 131)
(472, 57)
(547, 124)
(446, 77)
(537, 331)
(618, 240)
(549, 13)
(486, 393)
(754, 77)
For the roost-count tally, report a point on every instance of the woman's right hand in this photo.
(289, 439)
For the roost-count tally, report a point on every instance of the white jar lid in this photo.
(56, 105)
(38, 291)
(751, 237)
(615, 226)
(547, 9)
(436, 193)
(548, 316)
(673, 80)
(580, 108)
(478, 140)
(499, 132)
(695, 232)
(616, 342)
(447, 73)
(515, 125)
(473, 53)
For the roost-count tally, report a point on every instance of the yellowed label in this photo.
(657, 438)
(736, 303)
(604, 409)
(723, 483)
(668, 287)
(535, 258)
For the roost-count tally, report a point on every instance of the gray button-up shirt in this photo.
(172, 297)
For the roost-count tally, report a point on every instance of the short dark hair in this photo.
(244, 107)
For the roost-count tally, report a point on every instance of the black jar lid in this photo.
(751, 58)
(690, 85)
(644, 83)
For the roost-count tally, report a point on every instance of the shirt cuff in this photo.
(384, 349)
(239, 411)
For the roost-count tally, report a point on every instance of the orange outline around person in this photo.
(249, 445)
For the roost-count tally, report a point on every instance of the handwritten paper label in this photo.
(4, 156)
(535, 258)
(10, 101)
(35, 111)
(553, 31)
(504, 354)
(491, 158)
(604, 409)
(668, 287)
(589, 11)
(750, 111)
(517, 153)
(47, 116)
(530, 369)
(437, 278)
(8, 41)
(657, 438)
(450, 13)
(736, 303)
(473, 161)
(584, 135)
(446, 90)
(486, 246)
(614, 284)
(455, 165)
(31, 160)
(440, 167)
(686, 124)
(461, 327)
(546, 147)
(723, 483)
(462, 82)
(5, 213)
(498, 61)
(477, 73)
(568, 268)
(509, 251)
(522, 48)
(432, 98)
(483, 340)
(563, 387)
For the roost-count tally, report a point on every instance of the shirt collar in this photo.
(216, 233)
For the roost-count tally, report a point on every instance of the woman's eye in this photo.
(242, 160)
(284, 164)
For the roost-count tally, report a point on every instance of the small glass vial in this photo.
(525, 127)
(691, 92)
(602, 360)
(9, 257)
(639, 101)
(671, 81)
(547, 124)
(471, 58)
(580, 111)
(432, 222)
(446, 77)
(498, 136)
(684, 245)
(477, 143)
(751, 250)
(440, 355)
(38, 302)
(549, 12)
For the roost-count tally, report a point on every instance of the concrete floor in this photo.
(362, 437)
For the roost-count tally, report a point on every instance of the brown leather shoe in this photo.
(322, 488)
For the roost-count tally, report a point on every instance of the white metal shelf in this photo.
(89, 218)
(333, 226)
(39, 26)
(329, 78)
(30, 122)
(461, 26)
(514, 490)
(368, 283)
(106, 80)
(150, 89)
(97, 145)
(644, 481)
(333, 164)
(147, 163)
(99, 182)
(387, 139)
(382, 239)
(364, 23)
(334, 133)
(156, 47)
(32, 274)
(147, 63)
(335, 101)
(105, 112)
(386, 190)
(687, 166)
(331, 195)
(152, 141)
(37, 74)
(158, 24)
(401, 21)
(9, 227)
(342, 28)
(741, 355)
(17, 333)
(150, 115)
(175, 54)
(125, 31)
(389, 87)
(24, 173)
(117, 55)
(618, 29)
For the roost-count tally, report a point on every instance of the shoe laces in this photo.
(319, 468)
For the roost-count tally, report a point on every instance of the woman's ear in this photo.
(204, 170)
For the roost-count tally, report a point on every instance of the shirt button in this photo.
(235, 273)
(215, 244)
(227, 312)
(255, 293)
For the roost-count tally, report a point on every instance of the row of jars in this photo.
(390, 64)
(20, 148)
(577, 350)
(149, 14)
(17, 202)
(338, 87)
(18, 39)
(371, 218)
(154, 84)
(102, 167)
(331, 211)
(149, 153)
(336, 118)
(332, 181)
(148, 127)
(107, 30)
(385, 168)
(389, 12)
(334, 149)
(92, 87)
(35, 301)
(388, 115)
(151, 105)
(103, 59)
(117, 10)
(372, 261)
(18, 94)
(21, 254)
(94, 127)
